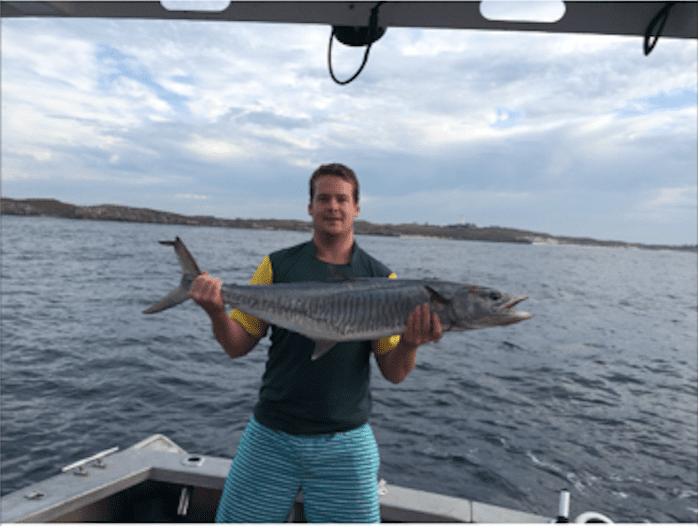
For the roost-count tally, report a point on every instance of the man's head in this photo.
(334, 195)
(338, 170)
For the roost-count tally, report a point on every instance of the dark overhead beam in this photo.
(608, 18)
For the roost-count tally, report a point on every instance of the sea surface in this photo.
(598, 393)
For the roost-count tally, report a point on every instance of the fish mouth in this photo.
(514, 301)
(510, 315)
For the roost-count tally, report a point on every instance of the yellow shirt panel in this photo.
(262, 276)
(387, 344)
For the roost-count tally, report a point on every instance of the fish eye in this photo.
(495, 296)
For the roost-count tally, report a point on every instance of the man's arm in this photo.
(423, 326)
(235, 340)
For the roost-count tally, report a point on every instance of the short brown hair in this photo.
(338, 170)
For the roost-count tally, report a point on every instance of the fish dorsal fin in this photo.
(321, 348)
(436, 297)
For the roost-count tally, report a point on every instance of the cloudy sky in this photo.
(577, 135)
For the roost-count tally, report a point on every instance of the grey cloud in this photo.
(267, 118)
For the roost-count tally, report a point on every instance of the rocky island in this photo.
(467, 232)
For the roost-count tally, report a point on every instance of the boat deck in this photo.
(157, 481)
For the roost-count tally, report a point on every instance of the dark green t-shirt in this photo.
(331, 394)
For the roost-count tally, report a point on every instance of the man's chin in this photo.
(333, 229)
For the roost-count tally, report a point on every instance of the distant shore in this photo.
(466, 232)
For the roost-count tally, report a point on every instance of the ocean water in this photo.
(598, 393)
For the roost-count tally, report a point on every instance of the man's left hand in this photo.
(423, 326)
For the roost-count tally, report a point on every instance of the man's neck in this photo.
(334, 249)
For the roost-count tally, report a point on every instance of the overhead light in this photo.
(544, 11)
(195, 5)
(356, 36)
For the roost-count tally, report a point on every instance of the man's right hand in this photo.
(206, 291)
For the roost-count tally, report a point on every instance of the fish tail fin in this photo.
(189, 271)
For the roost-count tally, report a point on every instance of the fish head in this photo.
(475, 307)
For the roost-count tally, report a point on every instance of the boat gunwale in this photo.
(65, 493)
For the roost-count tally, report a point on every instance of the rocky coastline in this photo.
(467, 232)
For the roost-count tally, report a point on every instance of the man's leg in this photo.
(263, 479)
(340, 477)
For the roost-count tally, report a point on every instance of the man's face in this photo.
(333, 208)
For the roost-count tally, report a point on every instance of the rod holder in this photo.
(563, 509)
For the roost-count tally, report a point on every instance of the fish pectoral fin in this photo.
(321, 348)
(436, 297)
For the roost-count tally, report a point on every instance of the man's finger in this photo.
(437, 330)
(418, 319)
(426, 325)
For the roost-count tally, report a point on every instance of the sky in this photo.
(571, 135)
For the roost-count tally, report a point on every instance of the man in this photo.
(309, 427)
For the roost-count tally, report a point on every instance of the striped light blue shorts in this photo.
(338, 474)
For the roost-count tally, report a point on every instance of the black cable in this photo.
(371, 37)
(329, 61)
(660, 18)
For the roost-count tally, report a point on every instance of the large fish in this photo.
(354, 308)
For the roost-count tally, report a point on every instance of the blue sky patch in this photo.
(664, 101)
(127, 66)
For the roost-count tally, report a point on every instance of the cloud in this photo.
(266, 119)
(57, 60)
(214, 149)
(672, 198)
(190, 196)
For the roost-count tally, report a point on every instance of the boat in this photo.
(156, 480)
